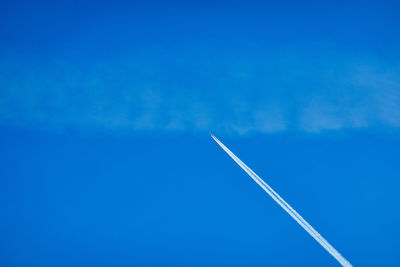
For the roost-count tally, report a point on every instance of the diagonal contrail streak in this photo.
(287, 207)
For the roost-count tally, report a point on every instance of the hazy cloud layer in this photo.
(200, 89)
(239, 68)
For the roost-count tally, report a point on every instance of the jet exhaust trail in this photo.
(322, 241)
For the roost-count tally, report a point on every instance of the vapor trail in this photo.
(287, 207)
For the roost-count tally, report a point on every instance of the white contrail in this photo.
(287, 207)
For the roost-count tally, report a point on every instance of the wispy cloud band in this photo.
(236, 94)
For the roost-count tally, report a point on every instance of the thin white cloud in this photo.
(235, 96)
(365, 97)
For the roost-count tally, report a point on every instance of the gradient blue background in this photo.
(105, 155)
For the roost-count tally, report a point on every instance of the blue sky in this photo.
(105, 109)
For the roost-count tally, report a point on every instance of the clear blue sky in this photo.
(105, 109)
